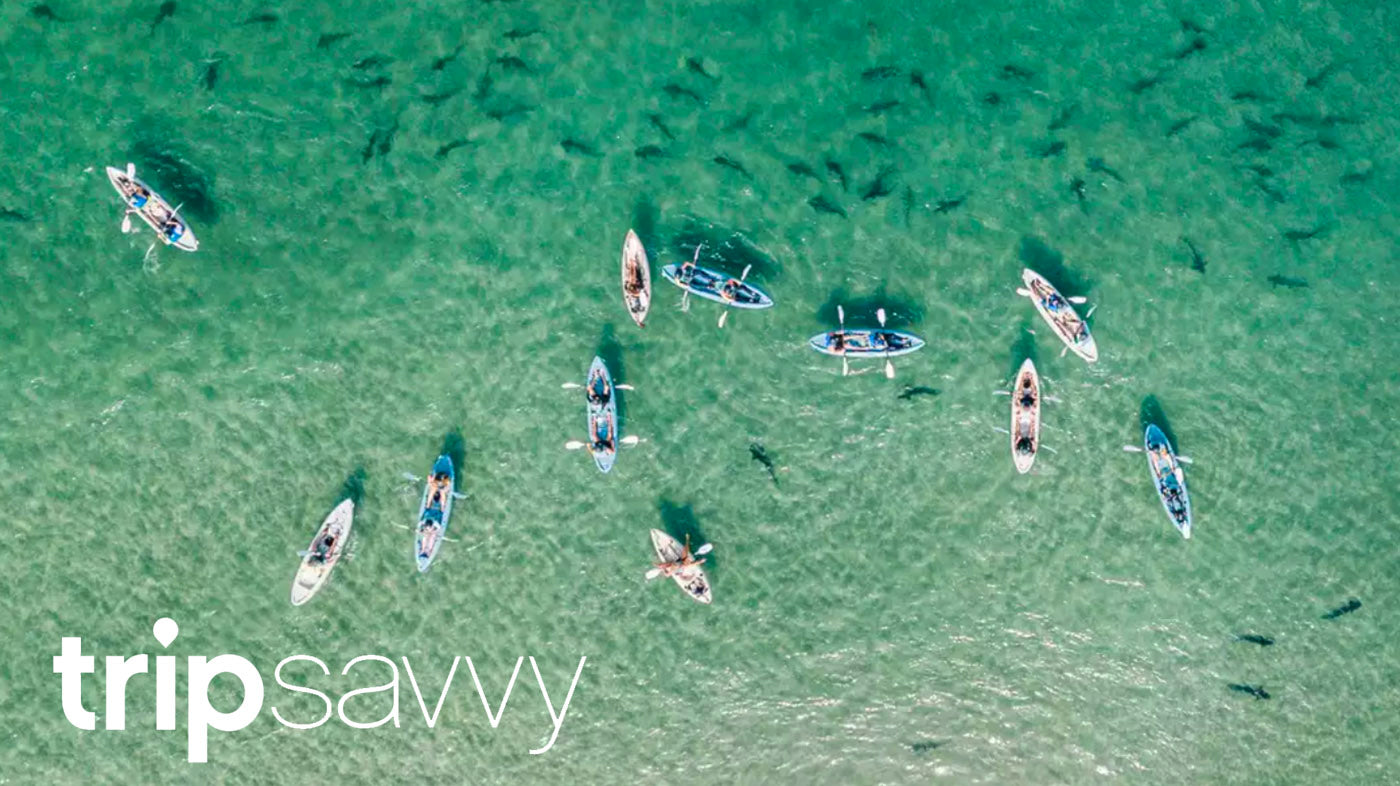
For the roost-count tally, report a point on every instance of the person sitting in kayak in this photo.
(599, 391)
(323, 550)
(173, 229)
(838, 341)
(602, 437)
(1025, 446)
(139, 197)
(634, 285)
(731, 290)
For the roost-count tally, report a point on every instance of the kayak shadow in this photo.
(726, 250)
(182, 183)
(610, 350)
(454, 446)
(644, 216)
(901, 311)
(353, 488)
(1040, 257)
(679, 522)
(1151, 414)
(1023, 349)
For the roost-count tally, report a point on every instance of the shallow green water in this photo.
(900, 607)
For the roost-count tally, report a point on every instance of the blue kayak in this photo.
(434, 512)
(602, 415)
(1169, 479)
(714, 285)
(866, 343)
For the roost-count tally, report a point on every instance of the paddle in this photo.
(576, 386)
(845, 364)
(630, 440)
(685, 286)
(889, 364)
(416, 479)
(725, 315)
(700, 552)
(1136, 449)
(1023, 292)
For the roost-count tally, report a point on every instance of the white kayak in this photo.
(1060, 314)
(690, 578)
(152, 208)
(636, 279)
(323, 553)
(1025, 417)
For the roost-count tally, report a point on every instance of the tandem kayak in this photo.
(141, 200)
(1060, 314)
(690, 578)
(1168, 478)
(636, 279)
(714, 285)
(324, 552)
(866, 343)
(1025, 417)
(602, 415)
(434, 512)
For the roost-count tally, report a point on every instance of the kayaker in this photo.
(1024, 445)
(599, 391)
(139, 197)
(323, 550)
(838, 341)
(173, 229)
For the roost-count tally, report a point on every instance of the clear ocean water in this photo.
(899, 606)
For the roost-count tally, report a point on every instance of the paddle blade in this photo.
(653, 573)
(845, 367)
(1023, 292)
(624, 387)
(1001, 392)
(130, 169)
(571, 386)
(410, 476)
(705, 549)
(1185, 459)
(723, 316)
(1091, 311)
(745, 274)
(630, 439)
(889, 370)
(697, 254)
(126, 223)
(1078, 299)
(458, 495)
(880, 315)
(573, 445)
(1064, 351)
(1131, 449)
(841, 316)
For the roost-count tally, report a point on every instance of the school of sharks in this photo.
(1271, 130)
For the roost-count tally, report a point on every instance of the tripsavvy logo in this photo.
(201, 716)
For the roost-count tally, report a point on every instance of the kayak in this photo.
(323, 553)
(141, 200)
(1168, 478)
(602, 415)
(714, 285)
(866, 343)
(1061, 316)
(636, 279)
(692, 578)
(434, 512)
(1025, 417)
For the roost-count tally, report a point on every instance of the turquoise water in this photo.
(900, 607)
